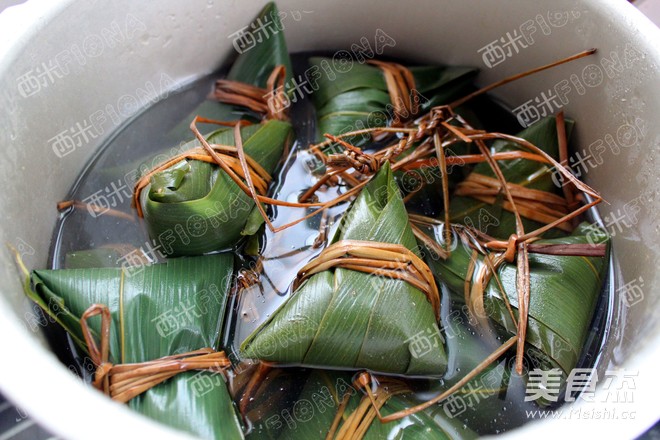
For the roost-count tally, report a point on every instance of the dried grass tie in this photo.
(229, 156)
(428, 132)
(355, 425)
(381, 259)
(401, 88)
(270, 102)
(515, 249)
(126, 381)
(541, 206)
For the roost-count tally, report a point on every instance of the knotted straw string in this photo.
(126, 381)
(434, 135)
(518, 243)
(401, 88)
(433, 141)
(355, 425)
(353, 157)
(368, 164)
(229, 154)
(270, 102)
(404, 99)
(425, 136)
(365, 380)
(383, 259)
(475, 284)
(517, 249)
(248, 187)
(425, 124)
(541, 206)
(395, 90)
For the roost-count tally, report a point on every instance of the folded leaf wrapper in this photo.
(191, 208)
(159, 310)
(358, 97)
(563, 294)
(492, 218)
(194, 207)
(323, 394)
(261, 48)
(253, 66)
(347, 319)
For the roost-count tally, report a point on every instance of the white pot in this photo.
(118, 47)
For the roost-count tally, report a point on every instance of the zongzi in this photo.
(352, 313)
(157, 311)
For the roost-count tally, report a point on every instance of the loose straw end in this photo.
(64, 205)
(18, 259)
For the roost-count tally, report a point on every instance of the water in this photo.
(112, 173)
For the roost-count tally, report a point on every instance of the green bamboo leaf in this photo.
(350, 120)
(352, 320)
(194, 207)
(360, 76)
(564, 291)
(428, 424)
(254, 222)
(358, 98)
(53, 306)
(493, 219)
(157, 310)
(323, 392)
(191, 208)
(366, 100)
(252, 66)
(443, 86)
